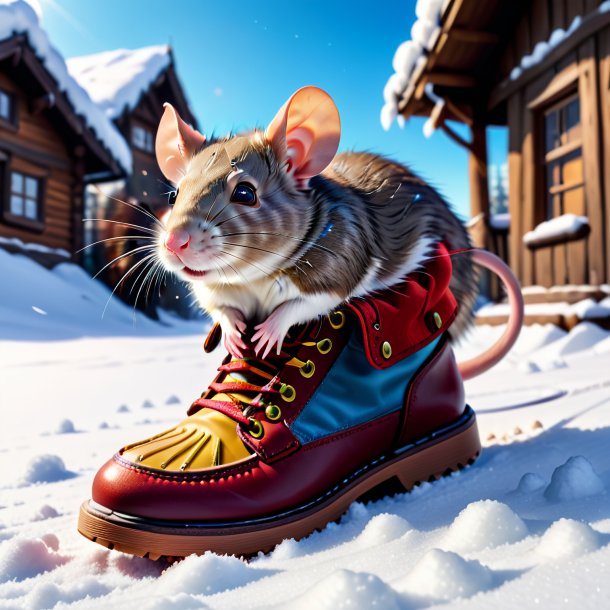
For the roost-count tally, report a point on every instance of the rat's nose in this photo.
(177, 241)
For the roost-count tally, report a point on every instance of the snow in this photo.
(116, 80)
(444, 576)
(26, 558)
(500, 222)
(67, 303)
(482, 525)
(587, 309)
(543, 48)
(410, 57)
(16, 17)
(66, 426)
(14, 241)
(530, 482)
(46, 469)
(573, 480)
(526, 526)
(567, 538)
(562, 226)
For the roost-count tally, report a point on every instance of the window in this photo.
(6, 107)
(24, 196)
(563, 159)
(142, 138)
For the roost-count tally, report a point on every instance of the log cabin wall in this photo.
(582, 73)
(35, 148)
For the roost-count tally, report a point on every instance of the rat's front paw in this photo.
(273, 330)
(233, 326)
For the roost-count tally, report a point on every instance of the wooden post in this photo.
(479, 196)
(477, 172)
(77, 200)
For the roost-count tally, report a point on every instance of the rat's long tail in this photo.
(482, 362)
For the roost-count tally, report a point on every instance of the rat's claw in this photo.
(233, 344)
(241, 327)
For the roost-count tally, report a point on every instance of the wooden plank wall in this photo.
(36, 133)
(586, 70)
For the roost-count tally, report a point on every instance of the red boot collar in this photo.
(403, 319)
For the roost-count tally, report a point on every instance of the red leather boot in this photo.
(276, 448)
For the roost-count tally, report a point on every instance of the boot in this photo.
(276, 448)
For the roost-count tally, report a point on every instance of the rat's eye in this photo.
(244, 193)
(171, 197)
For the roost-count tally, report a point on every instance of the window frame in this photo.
(557, 153)
(11, 122)
(6, 171)
(149, 140)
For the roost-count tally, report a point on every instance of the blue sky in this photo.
(240, 60)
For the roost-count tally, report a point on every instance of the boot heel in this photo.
(440, 457)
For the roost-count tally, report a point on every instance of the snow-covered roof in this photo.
(116, 80)
(411, 56)
(18, 17)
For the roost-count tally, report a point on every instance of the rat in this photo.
(272, 228)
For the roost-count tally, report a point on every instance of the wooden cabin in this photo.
(131, 87)
(48, 151)
(541, 69)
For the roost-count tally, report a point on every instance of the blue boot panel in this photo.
(354, 392)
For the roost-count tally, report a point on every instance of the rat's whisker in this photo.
(121, 237)
(227, 264)
(233, 218)
(245, 260)
(124, 224)
(121, 256)
(289, 258)
(303, 241)
(207, 216)
(146, 269)
(125, 275)
(151, 282)
(132, 205)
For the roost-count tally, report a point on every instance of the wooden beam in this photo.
(604, 89)
(477, 172)
(451, 79)
(455, 136)
(591, 23)
(588, 91)
(444, 79)
(472, 36)
(43, 102)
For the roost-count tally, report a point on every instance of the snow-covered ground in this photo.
(527, 526)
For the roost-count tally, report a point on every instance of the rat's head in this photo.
(241, 209)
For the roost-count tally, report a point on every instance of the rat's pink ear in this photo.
(306, 131)
(175, 144)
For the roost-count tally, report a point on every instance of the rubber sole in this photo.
(426, 460)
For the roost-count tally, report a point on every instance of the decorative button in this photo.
(273, 412)
(256, 429)
(438, 321)
(336, 319)
(324, 346)
(308, 369)
(287, 392)
(386, 350)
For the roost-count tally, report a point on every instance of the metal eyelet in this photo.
(336, 319)
(287, 392)
(376, 326)
(273, 412)
(308, 369)
(255, 429)
(324, 346)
